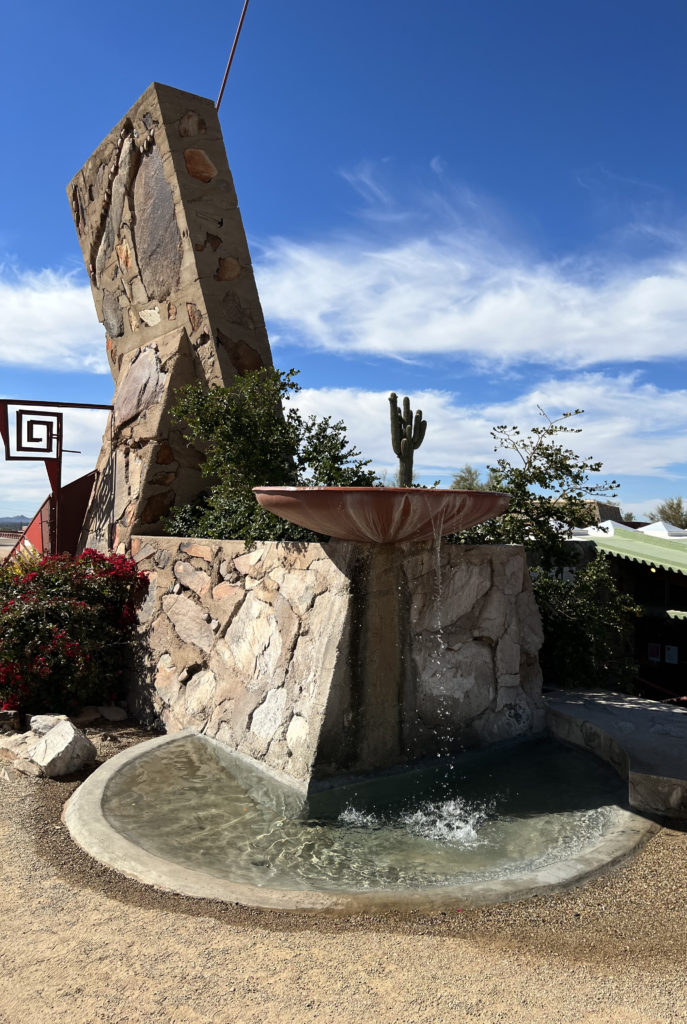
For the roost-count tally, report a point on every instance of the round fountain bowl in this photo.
(185, 813)
(382, 515)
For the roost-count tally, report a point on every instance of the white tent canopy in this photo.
(662, 529)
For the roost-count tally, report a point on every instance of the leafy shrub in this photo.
(64, 626)
(550, 488)
(252, 440)
(587, 623)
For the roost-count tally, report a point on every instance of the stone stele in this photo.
(162, 238)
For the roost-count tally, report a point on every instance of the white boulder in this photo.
(40, 724)
(64, 749)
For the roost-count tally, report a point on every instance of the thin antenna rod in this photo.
(231, 55)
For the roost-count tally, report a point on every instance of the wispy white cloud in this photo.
(48, 322)
(364, 180)
(468, 295)
(451, 278)
(438, 165)
(439, 274)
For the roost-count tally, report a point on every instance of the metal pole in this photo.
(231, 55)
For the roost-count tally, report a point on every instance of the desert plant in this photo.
(64, 626)
(407, 434)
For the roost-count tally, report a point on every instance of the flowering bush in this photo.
(65, 623)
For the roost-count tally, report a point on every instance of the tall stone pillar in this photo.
(162, 238)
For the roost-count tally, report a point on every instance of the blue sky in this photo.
(481, 205)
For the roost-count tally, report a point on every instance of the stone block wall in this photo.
(162, 238)
(321, 660)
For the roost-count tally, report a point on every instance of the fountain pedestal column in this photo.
(319, 661)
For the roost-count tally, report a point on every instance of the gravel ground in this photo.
(82, 944)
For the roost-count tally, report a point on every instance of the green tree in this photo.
(469, 479)
(629, 517)
(586, 618)
(251, 440)
(550, 488)
(672, 510)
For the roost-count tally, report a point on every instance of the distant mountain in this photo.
(14, 522)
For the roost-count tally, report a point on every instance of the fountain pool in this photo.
(186, 814)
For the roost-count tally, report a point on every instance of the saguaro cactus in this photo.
(407, 434)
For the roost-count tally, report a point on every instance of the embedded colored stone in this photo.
(165, 455)
(141, 551)
(167, 684)
(124, 255)
(158, 242)
(142, 386)
(196, 550)
(226, 591)
(191, 124)
(195, 316)
(163, 479)
(194, 579)
(199, 165)
(236, 312)
(113, 315)
(199, 693)
(150, 317)
(157, 506)
(268, 718)
(189, 620)
(297, 734)
(241, 356)
(227, 269)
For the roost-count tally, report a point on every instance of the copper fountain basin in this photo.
(382, 515)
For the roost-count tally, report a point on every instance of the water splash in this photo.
(455, 821)
(448, 821)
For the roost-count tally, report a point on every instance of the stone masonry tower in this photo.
(162, 238)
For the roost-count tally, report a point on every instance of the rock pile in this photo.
(53, 745)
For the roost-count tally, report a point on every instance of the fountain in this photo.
(372, 801)
(318, 699)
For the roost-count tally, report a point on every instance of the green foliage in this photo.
(407, 434)
(468, 479)
(251, 441)
(549, 487)
(586, 618)
(672, 510)
(587, 627)
(629, 517)
(64, 625)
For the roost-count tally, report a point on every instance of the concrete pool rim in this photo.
(84, 818)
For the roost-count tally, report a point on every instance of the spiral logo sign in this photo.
(38, 435)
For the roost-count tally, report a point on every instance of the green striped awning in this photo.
(639, 547)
